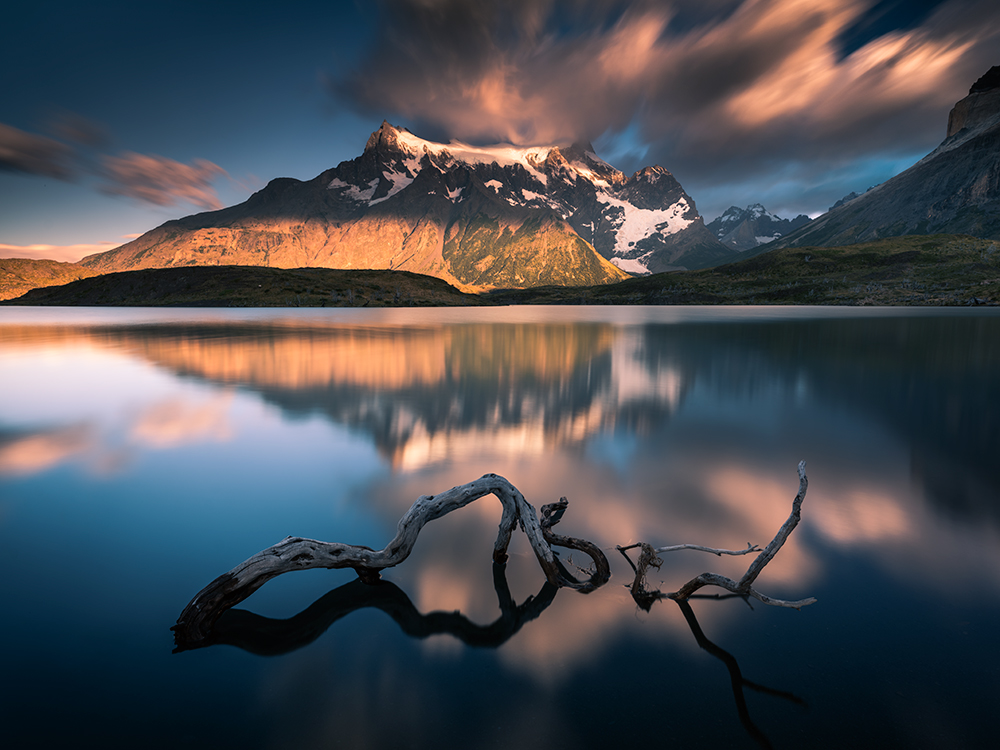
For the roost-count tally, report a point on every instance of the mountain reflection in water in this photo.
(205, 439)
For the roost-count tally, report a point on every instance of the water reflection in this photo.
(738, 682)
(197, 443)
(268, 636)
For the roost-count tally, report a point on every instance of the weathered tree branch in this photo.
(648, 558)
(718, 552)
(297, 553)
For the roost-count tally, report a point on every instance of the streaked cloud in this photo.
(148, 178)
(162, 181)
(717, 91)
(34, 154)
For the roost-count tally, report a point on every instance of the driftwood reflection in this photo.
(738, 681)
(269, 637)
(266, 636)
(198, 618)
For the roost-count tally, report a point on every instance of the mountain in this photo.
(954, 189)
(745, 228)
(478, 217)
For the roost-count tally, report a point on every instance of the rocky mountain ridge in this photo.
(954, 189)
(744, 229)
(478, 217)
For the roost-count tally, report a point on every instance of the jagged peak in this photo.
(386, 138)
(577, 159)
(651, 173)
(988, 81)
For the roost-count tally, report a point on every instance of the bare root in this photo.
(648, 558)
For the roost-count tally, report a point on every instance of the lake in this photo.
(145, 452)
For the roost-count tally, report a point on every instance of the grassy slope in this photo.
(253, 286)
(19, 275)
(912, 270)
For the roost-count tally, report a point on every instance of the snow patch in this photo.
(453, 195)
(495, 184)
(589, 174)
(530, 195)
(353, 191)
(399, 181)
(765, 240)
(635, 224)
(633, 265)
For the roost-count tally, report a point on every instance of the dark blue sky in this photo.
(115, 117)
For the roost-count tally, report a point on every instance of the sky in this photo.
(118, 116)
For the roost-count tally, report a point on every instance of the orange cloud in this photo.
(746, 82)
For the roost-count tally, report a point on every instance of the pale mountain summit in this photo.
(480, 217)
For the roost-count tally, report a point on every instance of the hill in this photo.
(20, 275)
(923, 270)
(251, 286)
(918, 270)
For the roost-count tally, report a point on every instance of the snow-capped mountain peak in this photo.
(642, 224)
(479, 217)
(743, 229)
(578, 158)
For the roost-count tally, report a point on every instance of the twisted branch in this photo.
(297, 553)
(648, 558)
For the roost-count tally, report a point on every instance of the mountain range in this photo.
(954, 189)
(479, 217)
(744, 229)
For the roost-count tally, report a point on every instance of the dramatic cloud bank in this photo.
(718, 90)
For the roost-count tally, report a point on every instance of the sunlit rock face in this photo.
(954, 189)
(478, 217)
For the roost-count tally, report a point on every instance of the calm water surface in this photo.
(144, 452)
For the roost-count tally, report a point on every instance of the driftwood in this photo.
(648, 558)
(196, 621)
(296, 553)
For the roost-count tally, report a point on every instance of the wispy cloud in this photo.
(34, 154)
(148, 178)
(162, 181)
